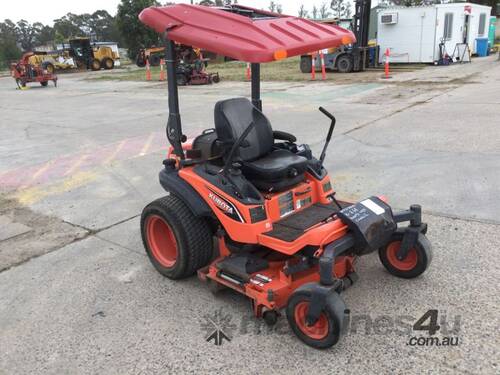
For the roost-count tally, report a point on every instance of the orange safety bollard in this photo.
(323, 68)
(162, 70)
(313, 66)
(148, 71)
(387, 53)
(249, 74)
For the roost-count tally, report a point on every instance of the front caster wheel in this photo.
(327, 329)
(416, 262)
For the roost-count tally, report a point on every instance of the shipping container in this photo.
(413, 34)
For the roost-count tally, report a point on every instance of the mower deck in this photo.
(269, 289)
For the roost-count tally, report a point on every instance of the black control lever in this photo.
(329, 136)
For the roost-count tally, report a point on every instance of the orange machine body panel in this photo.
(304, 195)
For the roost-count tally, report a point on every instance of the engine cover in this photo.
(371, 222)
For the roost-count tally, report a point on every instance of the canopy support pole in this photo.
(255, 68)
(174, 127)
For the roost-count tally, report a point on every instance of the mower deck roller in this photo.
(282, 238)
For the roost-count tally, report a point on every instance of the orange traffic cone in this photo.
(313, 66)
(148, 71)
(162, 70)
(323, 68)
(249, 74)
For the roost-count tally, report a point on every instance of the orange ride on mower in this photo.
(250, 209)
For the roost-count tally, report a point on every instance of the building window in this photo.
(448, 26)
(482, 23)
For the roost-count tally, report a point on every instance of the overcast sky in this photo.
(47, 11)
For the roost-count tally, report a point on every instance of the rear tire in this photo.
(416, 262)
(140, 63)
(107, 63)
(177, 242)
(48, 66)
(305, 64)
(344, 64)
(95, 65)
(44, 84)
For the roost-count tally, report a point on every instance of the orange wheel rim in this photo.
(318, 330)
(161, 241)
(408, 263)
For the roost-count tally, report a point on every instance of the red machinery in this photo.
(190, 67)
(24, 72)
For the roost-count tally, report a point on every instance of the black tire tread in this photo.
(196, 239)
(423, 246)
(334, 310)
(350, 65)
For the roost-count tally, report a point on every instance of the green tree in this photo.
(276, 7)
(68, 26)
(134, 33)
(26, 34)
(46, 35)
(303, 13)
(315, 12)
(323, 11)
(9, 50)
(100, 26)
(103, 26)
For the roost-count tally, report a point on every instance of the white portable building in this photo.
(413, 34)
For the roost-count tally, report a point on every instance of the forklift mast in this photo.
(361, 22)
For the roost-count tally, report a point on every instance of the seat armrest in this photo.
(284, 136)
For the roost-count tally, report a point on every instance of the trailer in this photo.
(423, 34)
(23, 72)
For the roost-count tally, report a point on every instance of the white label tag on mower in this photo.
(372, 206)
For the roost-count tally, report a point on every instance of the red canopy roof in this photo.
(263, 38)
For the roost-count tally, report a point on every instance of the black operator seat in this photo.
(268, 168)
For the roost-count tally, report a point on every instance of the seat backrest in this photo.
(232, 116)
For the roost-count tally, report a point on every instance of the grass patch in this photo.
(284, 70)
